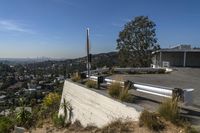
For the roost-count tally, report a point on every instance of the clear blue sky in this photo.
(57, 28)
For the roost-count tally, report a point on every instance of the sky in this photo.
(57, 28)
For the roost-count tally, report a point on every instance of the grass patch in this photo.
(91, 84)
(170, 111)
(151, 121)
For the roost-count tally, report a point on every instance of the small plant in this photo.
(170, 111)
(76, 77)
(66, 106)
(151, 121)
(91, 84)
(23, 117)
(58, 121)
(114, 89)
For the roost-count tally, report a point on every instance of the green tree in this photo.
(136, 42)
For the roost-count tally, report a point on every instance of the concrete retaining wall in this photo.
(91, 107)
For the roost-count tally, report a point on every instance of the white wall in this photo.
(91, 107)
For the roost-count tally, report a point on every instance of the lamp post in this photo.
(88, 54)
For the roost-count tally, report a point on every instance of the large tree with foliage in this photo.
(136, 42)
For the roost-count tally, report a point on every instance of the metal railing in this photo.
(185, 94)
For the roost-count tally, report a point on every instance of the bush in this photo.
(91, 84)
(151, 121)
(114, 89)
(6, 125)
(170, 111)
(51, 102)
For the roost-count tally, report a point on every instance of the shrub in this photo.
(114, 89)
(151, 121)
(51, 102)
(169, 110)
(6, 125)
(91, 84)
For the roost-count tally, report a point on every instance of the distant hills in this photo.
(98, 60)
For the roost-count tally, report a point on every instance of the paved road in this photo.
(179, 78)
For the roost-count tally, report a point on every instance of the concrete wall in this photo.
(92, 107)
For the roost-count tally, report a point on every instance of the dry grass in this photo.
(118, 127)
(117, 91)
(125, 96)
(114, 89)
(91, 84)
(170, 111)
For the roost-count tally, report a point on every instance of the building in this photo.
(179, 56)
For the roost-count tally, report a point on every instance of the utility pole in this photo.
(88, 54)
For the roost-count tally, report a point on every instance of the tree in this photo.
(136, 42)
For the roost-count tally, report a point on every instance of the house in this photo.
(179, 56)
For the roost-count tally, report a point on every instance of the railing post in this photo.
(178, 93)
(100, 80)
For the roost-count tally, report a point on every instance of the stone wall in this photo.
(95, 107)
